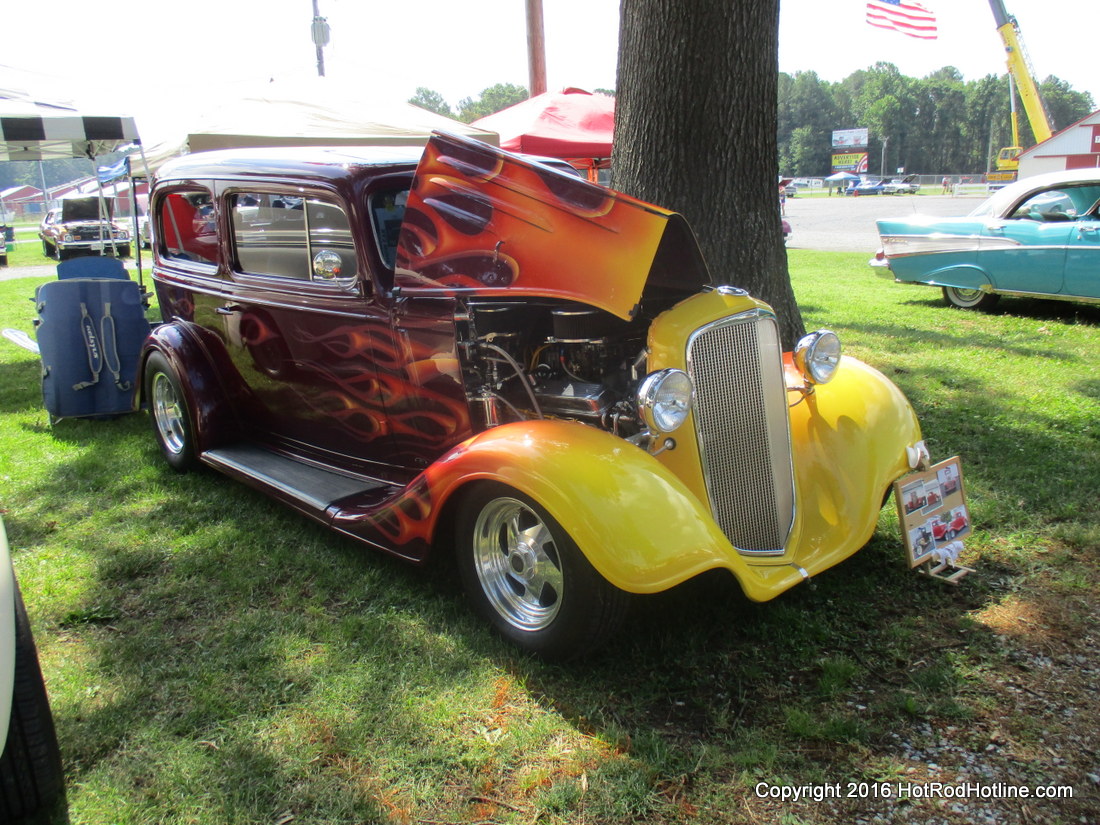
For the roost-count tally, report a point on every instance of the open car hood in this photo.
(483, 222)
(84, 209)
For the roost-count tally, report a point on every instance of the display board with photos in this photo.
(932, 510)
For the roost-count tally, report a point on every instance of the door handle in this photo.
(228, 309)
(1085, 230)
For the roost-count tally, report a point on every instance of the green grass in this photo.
(214, 658)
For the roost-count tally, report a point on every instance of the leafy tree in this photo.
(491, 100)
(1064, 106)
(808, 114)
(432, 101)
(803, 153)
(938, 123)
(695, 131)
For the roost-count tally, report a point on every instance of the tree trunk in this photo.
(695, 131)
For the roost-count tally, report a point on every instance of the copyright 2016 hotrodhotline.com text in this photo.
(909, 791)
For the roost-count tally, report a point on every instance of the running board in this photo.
(305, 486)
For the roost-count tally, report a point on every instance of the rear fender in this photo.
(963, 277)
(212, 419)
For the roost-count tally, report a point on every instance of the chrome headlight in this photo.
(664, 400)
(817, 356)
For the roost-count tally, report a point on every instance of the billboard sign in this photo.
(849, 137)
(854, 162)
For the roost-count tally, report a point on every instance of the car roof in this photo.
(328, 162)
(1008, 195)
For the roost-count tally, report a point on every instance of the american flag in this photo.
(904, 16)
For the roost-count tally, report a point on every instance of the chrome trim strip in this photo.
(1046, 296)
(907, 246)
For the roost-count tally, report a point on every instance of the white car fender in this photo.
(7, 635)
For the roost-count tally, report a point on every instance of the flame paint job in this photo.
(644, 521)
(478, 222)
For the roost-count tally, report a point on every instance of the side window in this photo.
(292, 237)
(1050, 206)
(187, 229)
(387, 210)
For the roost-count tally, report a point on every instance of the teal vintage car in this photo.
(1038, 237)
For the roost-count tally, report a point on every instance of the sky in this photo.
(169, 53)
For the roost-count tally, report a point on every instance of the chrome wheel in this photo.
(518, 564)
(168, 414)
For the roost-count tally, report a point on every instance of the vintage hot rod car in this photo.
(470, 350)
(76, 226)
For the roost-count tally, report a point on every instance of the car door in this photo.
(301, 326)
(1083, 258)
(1026, 251)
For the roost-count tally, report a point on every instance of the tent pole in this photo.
(102, 207)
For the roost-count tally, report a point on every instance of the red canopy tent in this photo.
(572, 124)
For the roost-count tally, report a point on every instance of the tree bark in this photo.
(695, 131)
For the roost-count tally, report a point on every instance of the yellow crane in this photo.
(1019, 71)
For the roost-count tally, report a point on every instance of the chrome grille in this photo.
(742, 430)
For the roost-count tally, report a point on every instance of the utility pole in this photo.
(320, 32)
(536, 48)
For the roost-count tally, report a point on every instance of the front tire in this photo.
(969, 298)
(32, 787)
(529, 580)
(170, 414)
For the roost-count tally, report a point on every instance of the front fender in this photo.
(212, 419)
(849, 439)
(634, 520)
(638, 523)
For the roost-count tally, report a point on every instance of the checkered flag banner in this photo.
(30, 131)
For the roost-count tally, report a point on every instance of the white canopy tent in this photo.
(318, 112)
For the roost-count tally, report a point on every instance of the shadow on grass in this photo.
(247, 661)
(1040, 309)
(20, 385)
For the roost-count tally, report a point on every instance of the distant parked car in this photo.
(31, 779)
(76, 226)
(901, 186)
(868, 186)
(1038, 237)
